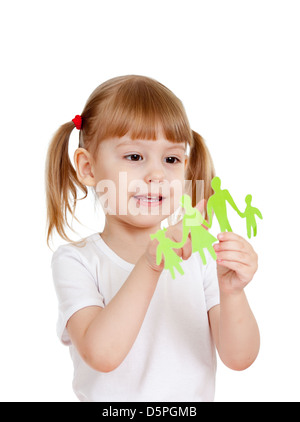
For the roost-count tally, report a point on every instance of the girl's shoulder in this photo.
(81, 248)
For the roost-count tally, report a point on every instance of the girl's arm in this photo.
(235, 331)
(104, 336)
(233, 324)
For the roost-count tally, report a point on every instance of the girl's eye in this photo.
(172, 160)
(133, 157)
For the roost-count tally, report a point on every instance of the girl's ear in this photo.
(186, 160)
(83, 164)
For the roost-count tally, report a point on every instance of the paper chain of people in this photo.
(193, 223)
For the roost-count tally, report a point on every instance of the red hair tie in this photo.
(77, 121)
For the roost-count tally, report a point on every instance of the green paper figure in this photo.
(172, 260)
(201, 239)
(217, 204)
(193, 222)
(249, 214)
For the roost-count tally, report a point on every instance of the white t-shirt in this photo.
(173, 357)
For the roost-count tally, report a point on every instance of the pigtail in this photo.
(61, 183)
(200, 167)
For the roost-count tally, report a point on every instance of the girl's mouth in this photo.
(149, 200)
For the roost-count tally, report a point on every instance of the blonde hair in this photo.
(128, 104)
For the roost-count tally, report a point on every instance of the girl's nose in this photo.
(155, 175)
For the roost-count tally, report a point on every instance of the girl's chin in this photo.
(142, 221)
(145, 220)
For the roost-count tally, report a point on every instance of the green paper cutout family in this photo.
(193, 223)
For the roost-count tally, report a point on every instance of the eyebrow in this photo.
(177, 146)
(132, 142)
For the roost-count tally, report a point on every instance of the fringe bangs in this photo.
(140, 107)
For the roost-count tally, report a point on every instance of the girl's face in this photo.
(140, 181)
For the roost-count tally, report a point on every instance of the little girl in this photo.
(136, 334)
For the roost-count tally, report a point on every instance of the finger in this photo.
(238, 267)
(226, 236)
(230, 245)
(242, 271)
(234, 256)
(187, 249)
(241, 242)
(153, 246)
(178, 252)
(175, 233)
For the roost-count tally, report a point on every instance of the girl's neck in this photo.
(127, 241)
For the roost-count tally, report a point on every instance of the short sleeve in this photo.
(75, 287)
(211, 283)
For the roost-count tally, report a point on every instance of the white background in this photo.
(236, 66)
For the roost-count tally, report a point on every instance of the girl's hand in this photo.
(150, 256)
(175, 233)
(237, 262)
